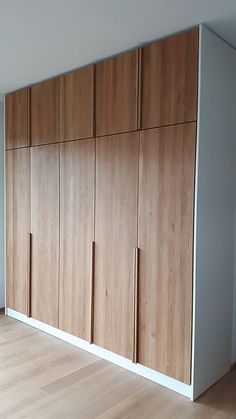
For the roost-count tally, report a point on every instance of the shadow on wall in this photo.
(2, 291)
(234, 305)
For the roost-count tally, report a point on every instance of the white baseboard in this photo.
(145, 372)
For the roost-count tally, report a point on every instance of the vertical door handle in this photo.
(135, 291)
(92, 292)
(29, 291)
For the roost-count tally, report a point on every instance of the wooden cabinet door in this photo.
(77, 97)
(77, 167)
(17, 119)
(116, 94)
(165, 236)
(18, 228)
(45, 233)
(115, 240)
(45, 114)
(169, 80)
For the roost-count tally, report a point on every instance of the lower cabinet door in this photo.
(18, 228)
(77, 170)
(115, 240)
(165, 223)
(45, 233)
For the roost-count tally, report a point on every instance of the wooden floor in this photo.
(42, 377)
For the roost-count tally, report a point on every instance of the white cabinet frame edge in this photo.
(138, 369)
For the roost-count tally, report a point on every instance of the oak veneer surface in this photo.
(165, 236)
(18, 227)
(17, 119)
(77, 97)
(45, 232)
(169, 80)
(117, 94)
(115, 238)
(77, 170)
(45, 112)
(59, 381)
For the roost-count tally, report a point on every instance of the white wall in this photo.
(215, 212)
(2, 292)
(234, 305)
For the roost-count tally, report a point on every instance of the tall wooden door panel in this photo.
(45, 112)
(45, 233)
(77, 103)
(18, 228)
(169, 80)
(117, 94)
(76, 236)
(115, 240)
(17, 119)
(165, 223)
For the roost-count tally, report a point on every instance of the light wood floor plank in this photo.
(42, 377)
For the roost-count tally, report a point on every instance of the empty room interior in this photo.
(118, 209)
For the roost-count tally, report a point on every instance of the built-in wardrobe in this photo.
(112, 171)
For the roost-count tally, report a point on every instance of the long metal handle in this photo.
(136, 273)
(92, 292)
(29, 277)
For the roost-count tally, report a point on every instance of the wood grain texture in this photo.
(77, 104)
(169, 80)
(45, 233)
(166, 191)
(45, 114)
(18, 227)
(77, 170)
(115, 237)
(17, 119)
(117, 94)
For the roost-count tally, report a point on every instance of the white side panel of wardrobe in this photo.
(214, 212)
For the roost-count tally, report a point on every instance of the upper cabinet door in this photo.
(17, 119)
(117, 94)
(165, 223)
(77, 165)
(45, 233)
(45, 115)
(18, 228)
(77, 104)
(169, 80)
(115, 240)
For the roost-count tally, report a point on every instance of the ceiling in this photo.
(42, 38)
